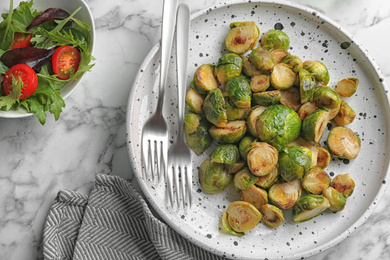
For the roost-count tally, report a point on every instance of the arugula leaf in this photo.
(12, 99)
(6, 29)
(23, 16)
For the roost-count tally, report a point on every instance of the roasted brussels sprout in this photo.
(248, 68)
(343, 183)
(316, 180)
(347, 87)
(242, 216)
(204, 79)
(268, 180)
(233, 112)
(242, 37)
(267, 98)
(313, 149)
(194, 101)
(308, 207)
(273, 216)
(345, 116)
(323, 157)
(325, 97)
(278, 55)
(318, 70)
(343, 143)
(239, 91)
(336, 199)
(226, 226)
(282, 77)
(255, 196)
(275, 39)
(226, 153)
(290, 98)
(229, 66)
(294, 62)
(231, 133)
(245, 146)
(201, 139)
(259, 83)
(262, 159)
(235, 167)
(278, 125)
(244, 179)
(191, 122)
(262, 59)
(286, 194)
(214, 107)
(307, 84)
(253, 118)
(314, 125)
(294, 161)
(213, 177)
(306, 109)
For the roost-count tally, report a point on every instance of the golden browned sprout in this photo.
(232, 132)
(242, 216)
(306, 109)
(242, 37)
(255, 196)
(279, 54)
(286, 194)
(273, 216)
(316, 180)
(343, 143)
(313, 149)
(259, 83)
(253, 118)
(290, 98)
(268, 180)
(343, 183)
(262, 159)
(266, 98)
(346, 115)
(194, 101)
(204, 79)
(347, 87)
(336, 199)
(248, 68)
(323, 157)
(314, 125)
(282, 77)
(262, 59)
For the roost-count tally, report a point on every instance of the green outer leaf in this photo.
(6, 29)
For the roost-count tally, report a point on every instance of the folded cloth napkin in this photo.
(113, 223)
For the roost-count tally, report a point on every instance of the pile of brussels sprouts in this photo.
(268, 111)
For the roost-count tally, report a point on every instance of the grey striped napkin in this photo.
(113, 223)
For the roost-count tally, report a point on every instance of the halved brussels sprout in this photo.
(191, 122)
(308, 207)
(313, 149)
(294, 161)
(253, 118)
(242, 37)
(307, 83)
(323, 157)
(316, 180)
(248, 68)
(262, 159)
(267, 98)
(201, 139)
(262, 59)
(336, 199)
(194, 101)
(242, 216)
(346, 115)
(235, 167)
(239, 91)
(226, 226)
(233, 112)
(347, 87)
(275, 39)
(213, 177)
(286, 194)
(278, 125)
(268, 180)
(294, 62)
(319, 71)
(306, 109)
(278, 55)
(231, 133)
(244, 179)
(204, 79)
(343, 183)
(290, 98)
(259, 83)
(325, 97)
(282, 77)
(273, 216)
(245, 146)
(214, 107)
(343, 143)
(314, 125)
(255, 196)
(226, 153)
(229, 66)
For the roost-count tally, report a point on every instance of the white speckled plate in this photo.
(313, 37)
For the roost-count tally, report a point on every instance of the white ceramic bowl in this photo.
(70, 6)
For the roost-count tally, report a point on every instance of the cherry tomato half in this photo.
(21, 40)
(64, 60)
(26, 74)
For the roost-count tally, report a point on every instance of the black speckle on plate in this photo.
(278, 26)
(345, 45)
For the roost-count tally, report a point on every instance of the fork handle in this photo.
(182, 37)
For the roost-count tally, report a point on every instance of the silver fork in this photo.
(179, 156)
(154, 145)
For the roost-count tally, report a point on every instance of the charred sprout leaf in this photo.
(245, 146)
(242, 216)
(344, 184)
(215, 108)
(308, 207)
(229, 66)
(191, 122)
(256, 196)
(47, 15)
(204, 79)
(268, 180)
(282, 77)
(343, 143)
(306, 109)
(347, 87)
(231, 133)
(213, 177)
(318, 70)
(226, 226)
(242, 37)
(200, 139)
(314, 125)
(326, 97)
(294, 161)
(194, 101)
(323, 157)
(286, 194)
(316, 180)
(259, 83)
(307, 84)
(262, 59)
(239, 92)
(227, 153)
(273, 216)
(336, 199)
(253, 118)
(345, 116)
(33, 57)
(267, 98)
(294, 62)
(278, 55)
(262, 159)
(275, 39)
(244, 179)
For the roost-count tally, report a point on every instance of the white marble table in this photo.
(37, 161)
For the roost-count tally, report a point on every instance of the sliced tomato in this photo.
(24, 73)
(21, 40)
(65, 59)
